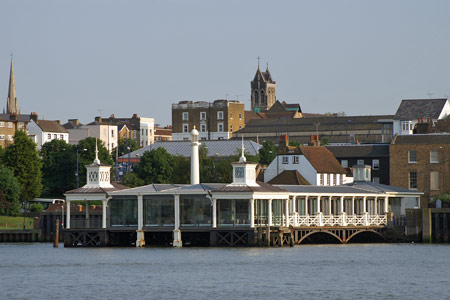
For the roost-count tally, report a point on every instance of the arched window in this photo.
(263, 98)
(256, 97)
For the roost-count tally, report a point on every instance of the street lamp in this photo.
(78, 168)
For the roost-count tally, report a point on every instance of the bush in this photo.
(36, 207)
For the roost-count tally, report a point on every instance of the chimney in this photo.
(284, 141)
(75, 122)
(59, 122)
(98, 119)
(314, 141)
(135, 116)
(34, 116)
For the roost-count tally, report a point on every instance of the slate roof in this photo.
(224, 148)
(289, 177)
(51, 126)
(331, 123)
(81, 190)
(374, 150)
(261, 188)
(412, 109)
(432, 138)
(20, 117)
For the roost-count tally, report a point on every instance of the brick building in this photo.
(214, 121)
(421, 162)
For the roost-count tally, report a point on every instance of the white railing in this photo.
(329, 220)
(377, 220)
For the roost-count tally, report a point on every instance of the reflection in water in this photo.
(363, 271)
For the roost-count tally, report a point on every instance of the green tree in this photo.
(124, 144)
(267, 153)
(131, 179)
(58, 167)
(224, 171)
(207, 167)
(156, 166)
(22, 157)
(325, 141)
(182, 167)
(87, 157)
(9, 192)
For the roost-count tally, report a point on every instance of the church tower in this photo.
(263, 90)
(11, 104)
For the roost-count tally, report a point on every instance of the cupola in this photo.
(361, 173)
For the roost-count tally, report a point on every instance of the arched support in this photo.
(362, 231)
(319, 231)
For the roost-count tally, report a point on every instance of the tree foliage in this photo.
(182, 170)
(58, 167)
(156, 166)
(9, 192)
(267, 153)
(124, 143)
(131, 179)
(22, 157)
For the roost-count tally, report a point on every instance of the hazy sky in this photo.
(74, 58)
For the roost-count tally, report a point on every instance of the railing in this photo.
(326, 220)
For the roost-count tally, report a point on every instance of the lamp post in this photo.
(78, 167)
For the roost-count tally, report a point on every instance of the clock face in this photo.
(239, 172)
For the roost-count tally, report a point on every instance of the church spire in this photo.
(11, 104)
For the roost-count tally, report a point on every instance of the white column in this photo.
(104, 213)
(375, 206)
(214, 215)
(140, 236)
(269, 212)
(286, 207)
(319, 213)
(386, 205)
(67, 214)
(306, 205)
(176, 232)
(195, 166)
(353, 205)
(252, 213)
(318, 205)
(342, 204)
(364, 204)
(329, 205)
(294, 205)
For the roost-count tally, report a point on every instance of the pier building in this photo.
(244, 212)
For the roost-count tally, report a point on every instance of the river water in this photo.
(357, 271)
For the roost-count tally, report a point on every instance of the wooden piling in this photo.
(268, 236)
(259, 242)
(56, 240)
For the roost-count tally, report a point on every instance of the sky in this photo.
(81, 59)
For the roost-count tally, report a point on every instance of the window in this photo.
(203, 115)
(220, 115)
(61, 136)
(49, 136)
(413, 180)
(328, 179)
(231, 115)
(240, 116)
(142, 132)
(112, 133)
(434, 180)
(360, 162)
(434, 156)
(376, 179)
(334, 179)
(285, 160)
(240, 127)
(21, 124)
(412, 154)
(231, 128)
(321, 179)
(10, 137)
(185, 116)
(134, 134)
(55, 136)
(295, 159)
(10, 124)
(203, 128)
(342, 179)
(2, 136)
(185, 128)
(344, 163)
(376, 164)
(2, 124)
(219, 127)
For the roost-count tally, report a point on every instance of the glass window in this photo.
(328, 179)
(185, 128)
(376, 164)
(219, 127)
(334, 178)
(360, 162)
(10, 124)
(231, 128)
(231, 115)
(225, 213)
(434, 180)
(413, 180)
(295, 159)
(185, 116)
(49, 136)
(2, 124)
(344, 163)
(2, 136)
(202, 115)
(240, 116)
(321, 179)
(159, 211)
(434, 156)
(220, 115)
(123, 212)
(203, 128)
(61, 136)
(376, 179)
(285, 160)
(412, 154)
